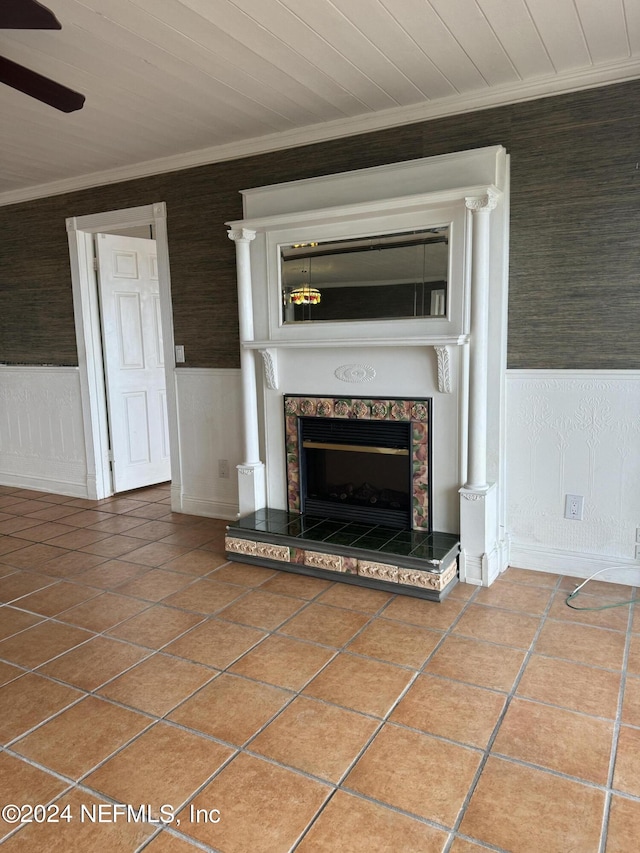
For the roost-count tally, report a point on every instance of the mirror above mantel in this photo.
(380, 277)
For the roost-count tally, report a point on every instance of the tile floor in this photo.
(139, 667)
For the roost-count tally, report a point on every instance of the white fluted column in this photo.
(251, 473)
(480, 208)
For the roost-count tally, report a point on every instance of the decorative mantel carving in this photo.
(270, 358)
(444, 373)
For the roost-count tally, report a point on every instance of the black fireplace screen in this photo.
(356, 470)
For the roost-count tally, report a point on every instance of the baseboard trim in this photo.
(209, 508)
(574, 563)
(43, 484)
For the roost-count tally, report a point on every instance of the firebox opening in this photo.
(356, 470)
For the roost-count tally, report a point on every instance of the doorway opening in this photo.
(124, 330)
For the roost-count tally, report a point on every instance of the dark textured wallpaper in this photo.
(574, 290)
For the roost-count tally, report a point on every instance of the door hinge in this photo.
(95, 264)
(110, 455)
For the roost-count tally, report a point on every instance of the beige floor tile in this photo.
(626, 776)
(329, 626)
(81, 836)
(205, 596)
(152, 530)
(418, 611)
(288, 583)
(53, 512)
(498, 626)
(54, 599)
(462, 592)
(166, 843)
(530, 577)
(42, 642)
(8, 672)
(191, 537)
(110, 574)
(30, 700)
(352, 824)
(163, 765)
(196, 563)
(615, 618)
(314, 737)
(354, 597)
(571, 685)
(261, 609)
(9, 545)
(113, 546)
(243, 575)
(624, 825)
(90, 665)
(598, 588)
(216, 643)
(78, 538)
(154, 554)
(554, 738)
(582, 643)
(24, 784)
(368, 686)
(104, 611)
(154, 585)
(449, 709)
(155, 626)
(263, 808)
(33, 557)
(631, 702)
(633, 663)
(43, 532)
(477, 662)
(395, 642)
(461, 845)
(283, 662)
(81, 737)
(524, 810)
(87, 517)
(157, 684)
(12, 621)
(400, 766)
(71, 564)
(20, 583)
(253, 704)
(16, 525)
(515, 596)
(117, 524)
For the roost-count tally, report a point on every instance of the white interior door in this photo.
(134, 363)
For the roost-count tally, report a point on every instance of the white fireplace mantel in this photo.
(458, 359)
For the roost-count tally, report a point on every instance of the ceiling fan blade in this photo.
(39, 87)
(27, 15)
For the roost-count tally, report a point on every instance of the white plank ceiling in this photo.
(172, 83)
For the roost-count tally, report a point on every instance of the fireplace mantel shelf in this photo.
(423, 341)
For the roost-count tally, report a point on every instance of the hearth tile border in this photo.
(417, 412)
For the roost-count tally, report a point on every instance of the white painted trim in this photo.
(92, 389)
(576, 374)
(496, 96)
(572, 563)
(210, 509)
(207, 371)
(44, 484)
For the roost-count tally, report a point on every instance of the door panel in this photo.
(134, 364)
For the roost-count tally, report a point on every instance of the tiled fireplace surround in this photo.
(456, 361)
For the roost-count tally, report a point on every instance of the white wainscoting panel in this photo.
(41, 433)
(578, 433)
(210, 429)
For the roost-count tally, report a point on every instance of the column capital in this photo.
(483, 203)
(241, 235)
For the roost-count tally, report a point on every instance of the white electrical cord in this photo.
(577, 590)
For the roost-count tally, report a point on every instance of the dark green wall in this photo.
(575, 233)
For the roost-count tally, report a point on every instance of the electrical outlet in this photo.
(179, 354)
(573, 507)
(223, 468)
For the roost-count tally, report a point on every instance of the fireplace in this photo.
(359, 459)
(297, 492)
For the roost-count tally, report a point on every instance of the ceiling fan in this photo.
(31, 15)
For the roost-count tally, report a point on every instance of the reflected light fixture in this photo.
(305, 294)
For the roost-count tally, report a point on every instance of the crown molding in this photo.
(591, 78)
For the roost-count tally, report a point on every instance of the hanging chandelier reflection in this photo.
(305, 296)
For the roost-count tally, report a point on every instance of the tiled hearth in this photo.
(411, 561)
(139, 666)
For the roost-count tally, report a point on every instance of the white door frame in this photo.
(80, 231)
